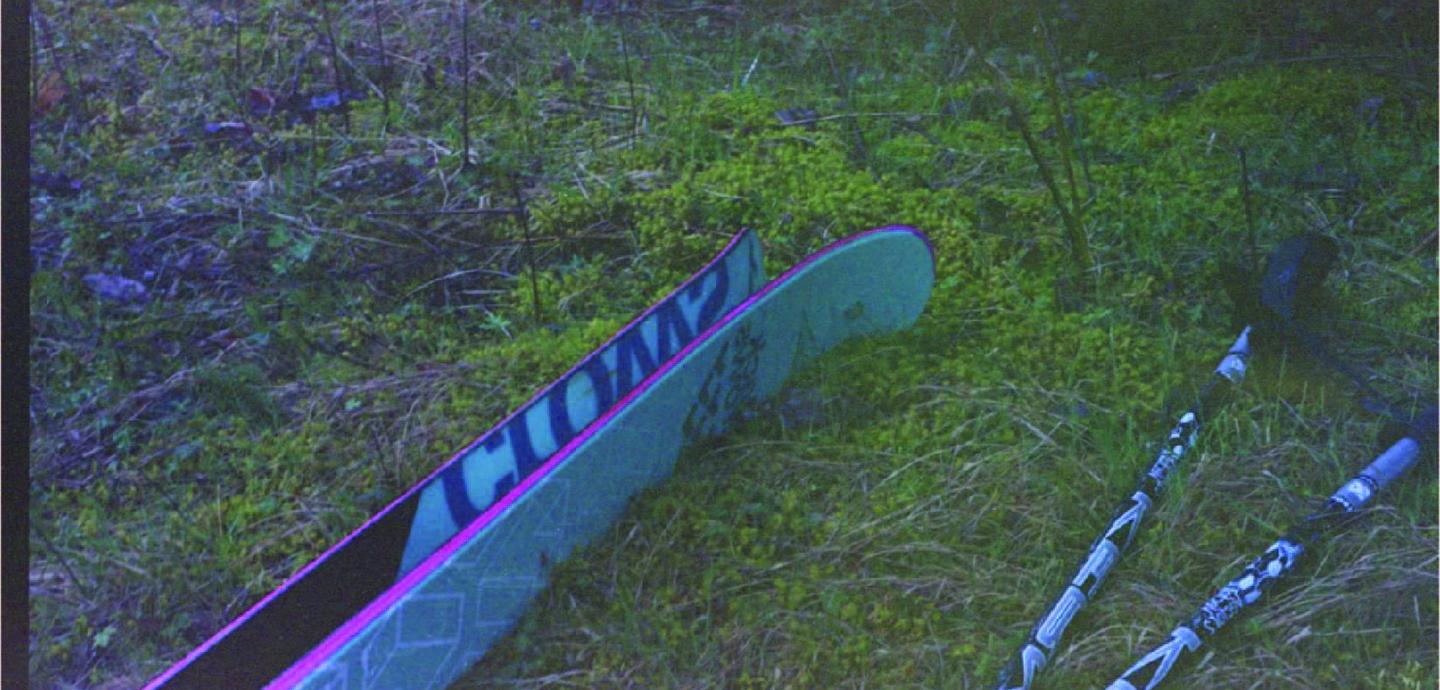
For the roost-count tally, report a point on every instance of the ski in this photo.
(289, 621)
(449, 606)
(445, 613)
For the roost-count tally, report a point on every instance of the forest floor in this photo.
(279, 275)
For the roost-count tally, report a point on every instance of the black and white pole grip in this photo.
(1281, 557)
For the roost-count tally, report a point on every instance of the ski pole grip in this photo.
(1418, 438)
(1399, 457)
(1384, 469)
(1232, 366)
(1228, 375)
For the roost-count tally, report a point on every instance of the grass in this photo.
(334, 303)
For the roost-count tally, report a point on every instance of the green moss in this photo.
(303, 356)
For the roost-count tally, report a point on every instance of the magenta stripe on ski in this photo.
(332, 644)
(418, 486)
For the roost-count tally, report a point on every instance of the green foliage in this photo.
(314, 337)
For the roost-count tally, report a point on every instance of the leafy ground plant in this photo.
(280, 275)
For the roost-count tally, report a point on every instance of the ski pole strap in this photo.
(1370, 399)
(1278, 560)
(1105, 552)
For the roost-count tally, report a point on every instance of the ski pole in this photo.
(1293, 273)
(1280, 558)
(1020, 673)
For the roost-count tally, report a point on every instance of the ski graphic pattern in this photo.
(727, 386)
(446, 612)
(511, 452)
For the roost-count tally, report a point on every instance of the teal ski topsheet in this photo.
(489, 469)
(289, 621)
(448, 610)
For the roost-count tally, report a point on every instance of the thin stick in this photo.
(517, 83)
(314, 152)
(529, 251)
(465, 84)
(1075, 233)
(335, 65)
(384, 68)
(1249, 216)
(239, 58)
(855, 116)
(629, 81)
(1052, 91)
(1063, 131)
(1160, 76)
(453, 212)
(862, 153)
(72, 97)
(1076, 131)
(1423, 243)
(64, 563)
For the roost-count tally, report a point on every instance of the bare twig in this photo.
(861, 151)
(529, 251)
(1232, 64)
(858, 116)
(1062, 131)
(453, 212)
(335, 65)
(312, 227)
(1075, 233)
(629, 81)
(1249, 216)
(384, 67)
(1423, 244)
(458, 274)
(65, 563)
(1074, 132)
(239, 73)
(465, 84)
(72, 96)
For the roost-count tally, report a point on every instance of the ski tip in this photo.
(907, 229)
(929, 246)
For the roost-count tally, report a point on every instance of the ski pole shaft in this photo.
(1278, 560)
(1105, 552)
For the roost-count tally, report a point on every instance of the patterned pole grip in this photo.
(1222, 607)
(1227, 376)
(1105, 552)
(1260, 575)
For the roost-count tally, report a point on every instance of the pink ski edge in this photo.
(249, 613)
(332, 644)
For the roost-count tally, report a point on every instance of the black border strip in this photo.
(15, 342)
